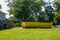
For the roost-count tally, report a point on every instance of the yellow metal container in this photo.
(36, 24)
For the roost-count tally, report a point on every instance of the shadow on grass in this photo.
(5, 28)
(38, 27)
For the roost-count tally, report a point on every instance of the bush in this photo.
(15, 25)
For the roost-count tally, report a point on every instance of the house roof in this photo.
(2, 12)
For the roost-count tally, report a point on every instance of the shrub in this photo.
(16, 24)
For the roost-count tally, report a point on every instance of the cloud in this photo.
(4, 6)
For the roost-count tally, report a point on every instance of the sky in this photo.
(48, 0)
(5, 7)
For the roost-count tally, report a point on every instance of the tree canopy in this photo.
(31, 10)
(22, 9)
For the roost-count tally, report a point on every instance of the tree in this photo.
(49, 11)
(22, 9)
(57, 3)
(57, 6)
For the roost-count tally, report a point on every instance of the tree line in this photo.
(35, 10)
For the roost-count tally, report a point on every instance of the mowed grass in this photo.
(30, 34)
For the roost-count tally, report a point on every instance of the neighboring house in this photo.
(0, 7)
(2, 16)
(5, 23)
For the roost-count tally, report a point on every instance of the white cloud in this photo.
(4, 7)
(48, 0)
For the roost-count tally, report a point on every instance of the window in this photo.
(0, 7)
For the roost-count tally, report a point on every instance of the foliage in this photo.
(22, 9)
(49, 11)
(57, 3)
(16, 24)
(31, 10)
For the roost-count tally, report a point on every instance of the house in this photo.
(2, 16)
(5, 23)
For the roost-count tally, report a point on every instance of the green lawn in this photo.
(30, 34)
